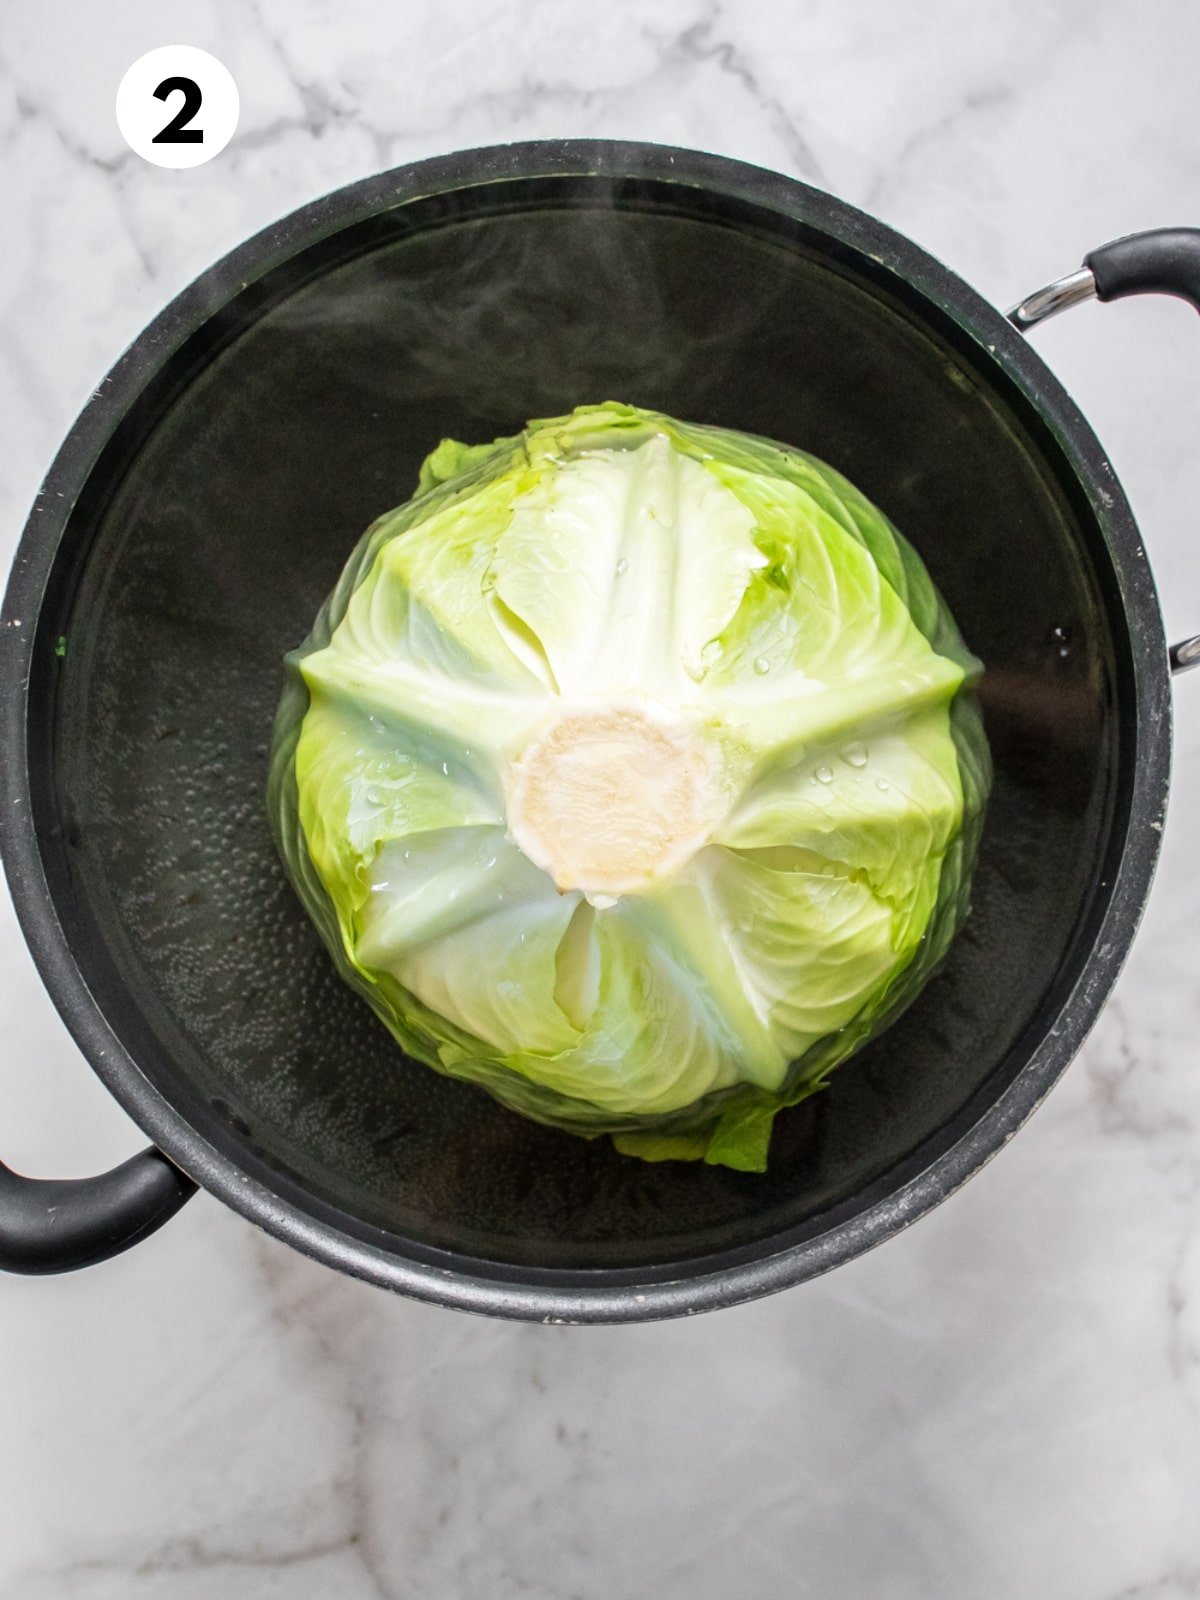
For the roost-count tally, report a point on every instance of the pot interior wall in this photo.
(210, 535)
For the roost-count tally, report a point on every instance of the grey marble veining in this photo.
(1003, 1402)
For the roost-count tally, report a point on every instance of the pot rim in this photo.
(597, 1295)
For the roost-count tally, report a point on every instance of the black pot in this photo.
(201, 508)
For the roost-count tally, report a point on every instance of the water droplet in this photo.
(445, 769)
(762, 665)
(855, 754)
(622, 567)
(882, 785)
(823, 775)
(375, 795)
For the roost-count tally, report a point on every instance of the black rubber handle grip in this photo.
(1161, 261)
(58, 1224)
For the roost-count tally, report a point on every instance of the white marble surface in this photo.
(1005, 1402)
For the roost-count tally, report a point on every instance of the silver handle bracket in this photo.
(1058, 296)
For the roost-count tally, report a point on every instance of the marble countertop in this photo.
(1005, 1401)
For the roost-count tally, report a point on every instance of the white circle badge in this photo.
(177, 106)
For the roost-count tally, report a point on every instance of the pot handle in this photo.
(1159, 261)
(57, 1224)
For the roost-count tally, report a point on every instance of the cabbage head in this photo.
(631, 772)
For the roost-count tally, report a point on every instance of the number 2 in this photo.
(177, 130)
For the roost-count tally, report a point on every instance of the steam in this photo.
(478, 322)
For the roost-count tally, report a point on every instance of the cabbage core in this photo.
(609, 798)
